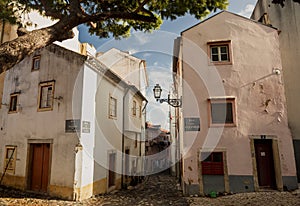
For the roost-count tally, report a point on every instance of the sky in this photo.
(157, 49)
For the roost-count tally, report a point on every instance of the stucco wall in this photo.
(108, 131)
(250, 79)
(286, 20)
(29, 124)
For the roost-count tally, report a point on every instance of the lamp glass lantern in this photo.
(157, 91)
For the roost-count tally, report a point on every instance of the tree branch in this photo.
(141, 6)
(119, 15)
(75, 7)
(49, 11)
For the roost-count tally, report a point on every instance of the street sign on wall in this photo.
(191, 124)
(72, 125)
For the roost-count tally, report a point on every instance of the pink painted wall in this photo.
(250, 79)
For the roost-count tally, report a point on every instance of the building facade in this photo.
(233, 123)
(63, 123)
(286, 19)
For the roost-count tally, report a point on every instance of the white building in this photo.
(63, 123)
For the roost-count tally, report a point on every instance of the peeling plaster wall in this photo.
(56, 64)
(260, 101)
(287, 20)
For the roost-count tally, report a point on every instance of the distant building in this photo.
(287, 20)
(158, 151)
(233, 123)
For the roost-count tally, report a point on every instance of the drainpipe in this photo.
(123, 137)
(143, 159)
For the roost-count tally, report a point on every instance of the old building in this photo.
(129, 67)
(286, 19)
(63, 119)
(233, 123)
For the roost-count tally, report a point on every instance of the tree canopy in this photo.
(282, 2)
(104, 18)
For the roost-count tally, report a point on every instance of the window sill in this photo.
(112, 117)
(45, 109)
(12, 112)
(219, 63)
(223, 125)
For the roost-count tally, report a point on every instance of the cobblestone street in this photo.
(156, 190)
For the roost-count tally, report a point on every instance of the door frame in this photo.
(113, 187)
(225, 168)
(29, 160)
(276, 159)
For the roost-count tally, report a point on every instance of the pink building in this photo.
(233, 123)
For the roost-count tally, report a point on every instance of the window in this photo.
(13, 103)
(10, 159)
(219, 52)
(140, 111)
(212, 163)
(112, 107)
(222, 112)
(46, 94)
(36, 60)
(134, 108)
(136, 141)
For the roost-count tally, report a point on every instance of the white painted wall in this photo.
(87, 140)
(131, 69)
(108, 131)
(56, 64)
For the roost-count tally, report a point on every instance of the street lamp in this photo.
(173, 102)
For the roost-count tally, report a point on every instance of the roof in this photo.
(110, 53)
(114, 56)
(221, 12)
(103, 69)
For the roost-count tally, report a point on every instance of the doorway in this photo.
(265, 163)
(111, 172)
(39, 164)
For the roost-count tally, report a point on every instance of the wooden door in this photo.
(127, 152)
(39, 168)
(112, 167)
(265, 163)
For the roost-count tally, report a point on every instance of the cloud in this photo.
(247, 11)
(38, 21)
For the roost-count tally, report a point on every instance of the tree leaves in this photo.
(281, 2)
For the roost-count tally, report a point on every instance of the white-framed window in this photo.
(36, 62)
(46, 95)
(222, 112)
(219, 52)
(10, 159)
(112, 111)
(13, 104)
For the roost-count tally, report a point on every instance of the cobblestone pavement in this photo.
(158, 190)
